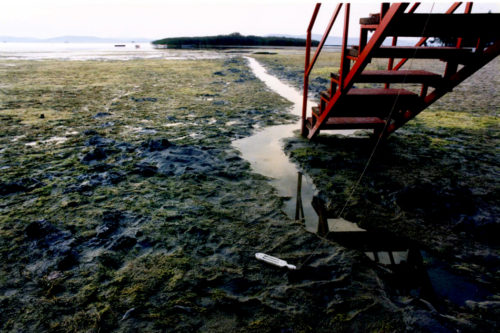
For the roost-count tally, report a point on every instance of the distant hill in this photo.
(72, 39)
(234, 39)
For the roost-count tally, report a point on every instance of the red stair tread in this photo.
(354, 121)
(474, 25)
(442, 25)
(373, 102)
(373, 19)
(419, 52)
(400, 76)
(349, 123)
(380, 92)
(373, 92)
(315, 111)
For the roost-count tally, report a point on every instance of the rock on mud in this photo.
(98, 141)
(156, 144)
(180, 160)
(145, 169)
(21, 185)
(97, 154)
(51, 247)
(123, 243)
(39, 229)
(101, 115)
(111, 223)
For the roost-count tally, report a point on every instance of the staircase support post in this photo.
(345, 65)
(306, 70)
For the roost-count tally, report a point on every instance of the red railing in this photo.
(345, 63)
(310, 64)
(385, 25)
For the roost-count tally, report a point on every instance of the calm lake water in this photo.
(96, 51)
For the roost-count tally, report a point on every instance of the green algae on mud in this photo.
(145, 218)
(124, 206)
(111, 115)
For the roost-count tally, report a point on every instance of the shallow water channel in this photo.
(264, 151)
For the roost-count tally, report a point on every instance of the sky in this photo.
(155, 19)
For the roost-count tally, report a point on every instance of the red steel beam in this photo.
(344, 63)
(306, 74)
(468, 9)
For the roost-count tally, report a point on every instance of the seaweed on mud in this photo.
(157, 227)
(127, 212)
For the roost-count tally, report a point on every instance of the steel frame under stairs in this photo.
(385, 109)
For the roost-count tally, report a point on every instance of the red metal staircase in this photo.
(385, 109)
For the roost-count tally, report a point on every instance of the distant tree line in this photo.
(234, 39)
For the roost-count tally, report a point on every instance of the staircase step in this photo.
(325, 95)
(349, 123)
(309, 123)
(374, 102)
(316, 111)
(400, 76)
(445, 25)
(353, 123)
(444, 53)
(373, 19)
(439, 25)
(376, 93)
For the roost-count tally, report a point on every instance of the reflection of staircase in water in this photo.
(399, 257)
(409, 270)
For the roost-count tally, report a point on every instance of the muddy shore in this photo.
(435, 182)
(124, 207)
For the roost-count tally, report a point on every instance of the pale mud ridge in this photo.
(133, 225)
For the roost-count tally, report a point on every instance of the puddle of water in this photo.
(56, 139)
(451, 286)
(417, 273)
(264, 151)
